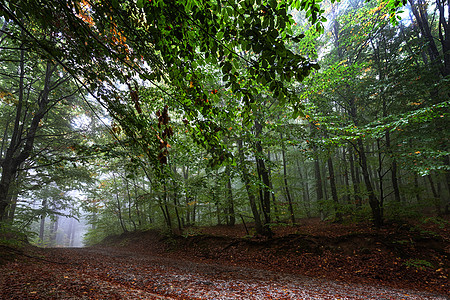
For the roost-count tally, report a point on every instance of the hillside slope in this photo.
(399, 255)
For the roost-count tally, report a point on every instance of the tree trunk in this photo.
(439, 61)
(70, 234)
(373, 174)
(165, 208)
(54, 231)
(9, 165)
(175, 203)
(12, 207)
(436, 197)
(394, 168)
(419, 10)
(20, 147)
(274, 202)
(334, 195)
(194, 211)
(346, 180)
(118, 205)
(305, 188)
(188, 198)
(416, 188)
(248, 188)
(375, 205)
(286, 187)
(136, 204)
(447, 174)
(127, 185)
(262, 172)
(231, 219)
(42, 224)
(380, 170)
(323, 170)
(73, 230)
(319, 188)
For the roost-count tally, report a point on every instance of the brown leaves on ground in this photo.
(344, 261)
(412, 256)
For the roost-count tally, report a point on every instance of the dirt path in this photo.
(114, 274)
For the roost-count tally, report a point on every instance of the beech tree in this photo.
(31, 89)
(356, 102)
(219, 109)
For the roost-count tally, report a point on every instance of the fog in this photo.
(70, 232)
(59, 231)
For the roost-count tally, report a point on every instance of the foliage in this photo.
(200, 112)
(418, 264)
(12, 236)
(442, 223)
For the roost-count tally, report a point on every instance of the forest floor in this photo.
(313, 260)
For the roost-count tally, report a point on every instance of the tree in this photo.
(355, 101)
(31, 94)
(176, 39)
(439, 56)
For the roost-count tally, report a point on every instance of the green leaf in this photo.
(273, 4)
(227, 67)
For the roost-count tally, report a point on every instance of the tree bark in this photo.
(175, 203)
(419, 9)
(188, 198)
(165, 208)
(274, 202)
(347, 196)
(318, 179)
(305, 188)
(127, 185)
(439, 61)
(42, 223)
(136, 203)
(20, 147)
(380, 171)
(248, 188)
(262, 171)
(375, 205)
(334, 195)
(436, 197)
(286, 187)
(54, 231)
(394, 169)
(119, 205)
(231, 219)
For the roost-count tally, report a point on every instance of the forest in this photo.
(125, 116)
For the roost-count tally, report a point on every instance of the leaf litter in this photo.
(154, 268)
(113, 274)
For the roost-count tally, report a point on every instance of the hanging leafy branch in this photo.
(168, 44)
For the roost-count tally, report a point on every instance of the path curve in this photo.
(88, 273)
